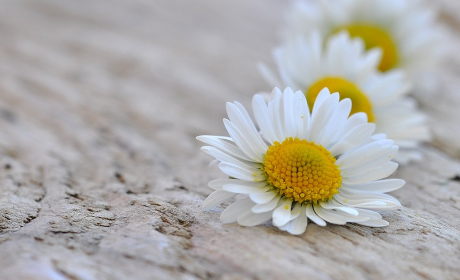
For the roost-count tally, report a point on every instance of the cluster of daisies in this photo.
(321, 149)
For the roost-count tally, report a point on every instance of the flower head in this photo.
(342, 65)
(404, 30)
(324, 166)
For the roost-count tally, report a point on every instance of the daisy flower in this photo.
(323, 166)
(342, 64)
(406, 31)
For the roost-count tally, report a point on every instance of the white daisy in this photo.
(405, 30)
(324, 166)
(342, 64)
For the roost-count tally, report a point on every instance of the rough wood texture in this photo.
(102, 178)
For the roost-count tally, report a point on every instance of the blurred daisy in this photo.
(406, 31)
(322, 166)
(344, 66)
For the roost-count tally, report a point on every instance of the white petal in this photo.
(335, 53)
(301, 115)
(280, 58)
(282, 214)
(364, 153)
(268, 75)
(262, 118)
(245, 125)
(352, 122)
(352, 138)
(242, 173)
(369, 213)
(289, 122)
(239, 207)
(330, 215)
(372, 163)
(376, 205)
(244, 142)
(275, 94)
(376, 201)
(213, 163)
(222, 156)
(237, 188)
(295, 212)
(220, 143)
(333, 206)
(381, 186)
(320, 118)
(373, 174)
(285, 227)
(313, 216)
(322, 96)
(356, 194)
(299, 224)
(259, 208)
(245, 113)
(370, 63)
(374, 223)
(275, 114)
(217, 184)
(262, 198)
(216, 198)
(338, 119)
(250, 219)
(347, 213)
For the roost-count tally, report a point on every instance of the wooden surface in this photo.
(102, 178)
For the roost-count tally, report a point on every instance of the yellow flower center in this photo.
(374, 36)
(302, 171)
(359, 100)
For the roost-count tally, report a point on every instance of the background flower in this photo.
(405, 30)
(344, 66)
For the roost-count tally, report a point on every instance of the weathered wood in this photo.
(102, 178)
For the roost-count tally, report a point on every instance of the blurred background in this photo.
(71, 68)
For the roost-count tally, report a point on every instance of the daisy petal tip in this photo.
(282, 214)
(201, 138)
(296, 231)
(347, 101)
(372, 126)
(229, 106)
(325, 91)
(335, 94)
(288, 90)
(225, 220)
(205, 149)
(258, 97)
(385, 223)
(205, 207)
(300, 93)
(375, 223)
(276, 90)
(320, 223)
